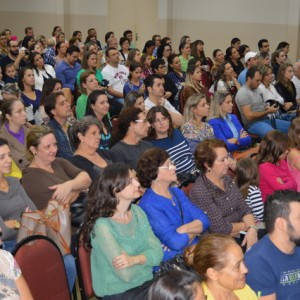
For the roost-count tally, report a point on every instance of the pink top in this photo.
(271, 175)
(295, 172)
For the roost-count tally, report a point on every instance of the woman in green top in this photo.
(89, 62)
(124, 248)
(185, 55)
(88, 84)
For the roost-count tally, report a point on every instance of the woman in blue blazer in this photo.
(226, 125)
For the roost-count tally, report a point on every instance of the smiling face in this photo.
(101, 106)
(228, 70)
(219, 58)
(131, 191)
(46, 150)
(176, 65)
(5, 160)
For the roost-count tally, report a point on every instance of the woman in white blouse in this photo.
(41, 71)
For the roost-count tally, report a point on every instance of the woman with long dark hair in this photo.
(121, 238)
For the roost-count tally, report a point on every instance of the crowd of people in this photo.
(132, 128)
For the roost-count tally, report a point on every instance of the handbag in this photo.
(54, 222)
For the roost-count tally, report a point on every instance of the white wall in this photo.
(214, 21)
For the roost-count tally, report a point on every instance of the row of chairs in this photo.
(43, 268)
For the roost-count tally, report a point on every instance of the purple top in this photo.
(20, 136)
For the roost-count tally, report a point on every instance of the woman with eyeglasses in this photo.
(162, 135)
(124, 248)
(13, 129)
(174, 219)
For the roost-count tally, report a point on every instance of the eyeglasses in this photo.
(141, 121)
(169, 166)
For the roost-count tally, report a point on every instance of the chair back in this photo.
(43, 268)
(83, 264)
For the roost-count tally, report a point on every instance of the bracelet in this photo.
(253, 226)
(17, 224)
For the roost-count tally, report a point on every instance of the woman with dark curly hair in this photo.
(273, 170)
(163, 135)
(124, 248)
(217, 194)
(174, 219)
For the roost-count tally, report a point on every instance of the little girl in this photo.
(247, 180)
(134, 83)
(146, 65)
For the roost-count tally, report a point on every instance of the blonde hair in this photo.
(191, 103)
(215, 107)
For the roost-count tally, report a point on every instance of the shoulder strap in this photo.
(179, 204)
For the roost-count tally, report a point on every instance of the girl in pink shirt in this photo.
(272, 166)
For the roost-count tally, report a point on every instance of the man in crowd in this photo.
(274, 262)
(14, 56)
(263, 46)
(68, 68)
(117, 75)
(253, 109)
(155, 88)
(59, 110)
(251, 61)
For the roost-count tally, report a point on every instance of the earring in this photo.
(208, 169)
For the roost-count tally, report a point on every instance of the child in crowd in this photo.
(247, 180)
(135, 82)
(146, 65)
(11, 73)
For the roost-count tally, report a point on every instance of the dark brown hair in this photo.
(148, 164)
(205, 154)
(151, 117)
(246, 174)
(274, 144)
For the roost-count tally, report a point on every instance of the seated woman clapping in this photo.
(124, 248)
(174, 219)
